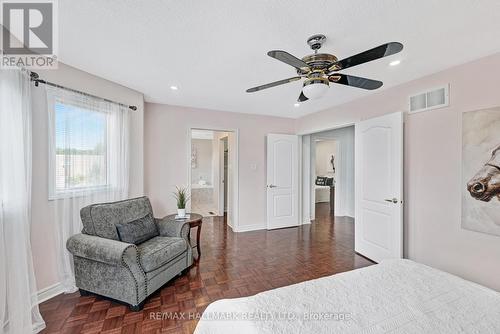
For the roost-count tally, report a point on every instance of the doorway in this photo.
(329, 173)
(212, 173)
(324, 180)
(368, 183)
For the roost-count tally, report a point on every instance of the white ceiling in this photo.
(213, 50)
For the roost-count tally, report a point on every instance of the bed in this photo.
(395, 296)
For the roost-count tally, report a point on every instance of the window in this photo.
(80, 143)
(88, 146)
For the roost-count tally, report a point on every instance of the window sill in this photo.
(79, 192)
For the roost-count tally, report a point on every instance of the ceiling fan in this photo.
(321, 69)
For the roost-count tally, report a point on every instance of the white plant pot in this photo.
(181, 213)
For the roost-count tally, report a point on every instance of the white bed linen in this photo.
(396, 296)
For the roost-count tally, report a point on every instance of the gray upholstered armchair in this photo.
(125, 254)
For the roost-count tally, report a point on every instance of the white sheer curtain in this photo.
(88, 163)
(18, 299)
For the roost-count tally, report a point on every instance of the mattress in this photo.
(395, 296)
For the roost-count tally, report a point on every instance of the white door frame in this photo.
(234, 224)
(221, 174)
(340, 126)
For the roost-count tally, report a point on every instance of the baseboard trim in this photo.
(49, 292)
(249, 228)
(307, 221)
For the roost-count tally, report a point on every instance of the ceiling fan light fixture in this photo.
(315, 90)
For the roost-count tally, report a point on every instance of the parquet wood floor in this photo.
(232, 265)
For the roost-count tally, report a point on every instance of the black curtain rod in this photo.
(36, 79)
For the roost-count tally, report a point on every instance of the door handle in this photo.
(271, 186)
(392, 200)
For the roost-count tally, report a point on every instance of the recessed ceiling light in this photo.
(296, 105)
(395, 62)
(174, 87)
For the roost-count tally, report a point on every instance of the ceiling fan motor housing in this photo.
(313, 81)
(318, 62)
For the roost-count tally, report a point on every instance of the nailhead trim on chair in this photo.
(143, 272)
(130, 270)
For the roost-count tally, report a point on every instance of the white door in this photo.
(282, 181)
(379, 187)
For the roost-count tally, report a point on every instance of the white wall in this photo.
(166, 146)
(433, 187)
(43, 230)
(324, 150)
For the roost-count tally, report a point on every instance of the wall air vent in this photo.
(433, 99)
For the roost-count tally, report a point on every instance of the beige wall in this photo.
(43, 231)
(432, 168)
(324, 150)
(433, 165)
(204, 161)
(166, 146)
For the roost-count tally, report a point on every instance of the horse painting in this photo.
(480, 181)
(485, 185)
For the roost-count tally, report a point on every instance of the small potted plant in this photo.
(182, 198)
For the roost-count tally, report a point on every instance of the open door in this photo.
(282, 181)
(379, 187)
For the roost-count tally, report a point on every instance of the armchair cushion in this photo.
(158, 251)
(137, 231)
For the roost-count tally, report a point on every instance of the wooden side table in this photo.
(194, 220)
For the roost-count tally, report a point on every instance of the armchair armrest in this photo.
(101, 249)
(172, 228)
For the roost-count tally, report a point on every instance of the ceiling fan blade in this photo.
(350, 80)
(288, 59)
(272, 84)
(302, 97)
(381, 51)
